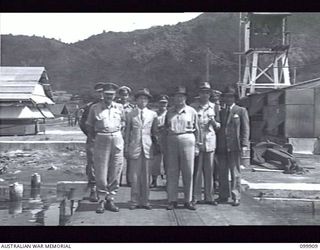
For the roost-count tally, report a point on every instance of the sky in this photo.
(72, 27)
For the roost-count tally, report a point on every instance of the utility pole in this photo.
(208, 65)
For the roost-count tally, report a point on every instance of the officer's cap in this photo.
(163, 98)
(99, 86)
(124, 90)
(110, 88)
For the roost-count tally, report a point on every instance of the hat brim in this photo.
(109, 91)
(163, 101)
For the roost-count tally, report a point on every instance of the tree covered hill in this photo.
(160, 57)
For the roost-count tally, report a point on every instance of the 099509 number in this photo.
(308, 245)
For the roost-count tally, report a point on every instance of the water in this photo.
(39, 207)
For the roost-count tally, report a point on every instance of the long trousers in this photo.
(89, 166)
(140, 180)
(180, 158)
(204, 167)
(108, 161)
(229, 162)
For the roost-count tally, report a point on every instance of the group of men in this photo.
(183, 138)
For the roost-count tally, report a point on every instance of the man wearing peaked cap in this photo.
(160, 158)
(124, 93)
(233, 139)
(181, 123)
(108, 146)
(98, 87)
(140, 135)
(204, 161)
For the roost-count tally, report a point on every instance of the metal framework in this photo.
(266, 66)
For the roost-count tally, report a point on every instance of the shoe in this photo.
(101, 207)
(93, 196)
(109, 205)
(236, 203)
(148, 207)
(133, 207)
(222, 200)
(172, 205)
(189, 206)
(213, 203)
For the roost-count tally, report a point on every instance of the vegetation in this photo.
(158, 58)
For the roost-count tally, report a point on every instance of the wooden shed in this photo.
(290, 112)
(24, 100)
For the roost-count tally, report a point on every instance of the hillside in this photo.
(160, 57)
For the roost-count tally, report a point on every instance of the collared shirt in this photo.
(128, 107)
(161, 118)
(205, 114)
(106, 119)
(182, 121)
(207, 121)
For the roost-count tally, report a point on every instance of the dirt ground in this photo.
(66, 164)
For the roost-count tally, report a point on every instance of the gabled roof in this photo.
(23, 84)
(22, 74)
(59, 109)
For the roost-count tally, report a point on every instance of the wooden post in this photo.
(62, 212)
(15, 191)
(35, 180)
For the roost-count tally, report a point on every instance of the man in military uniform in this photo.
(182, 137)
(140, 135)
(215, 98)
(233, 139)
(106, 119)
(124, 93)
(204, 162)
(90, 141)
(160, 158)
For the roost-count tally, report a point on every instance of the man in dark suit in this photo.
(232, 140)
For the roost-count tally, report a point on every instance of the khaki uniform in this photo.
(140, 128)
(89, 143)
(182, 126)
(160, 159)
(108, 146)
(204, 162)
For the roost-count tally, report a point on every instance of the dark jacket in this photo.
(84, 117)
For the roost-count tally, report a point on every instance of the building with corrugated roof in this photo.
(25, 94)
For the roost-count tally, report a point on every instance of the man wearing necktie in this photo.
(232, 140)
(140, 134)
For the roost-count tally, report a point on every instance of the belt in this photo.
(108, 133)
(172, 133)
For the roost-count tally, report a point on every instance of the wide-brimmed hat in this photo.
(144, 92)
(179, 90)
(99, 86)
(124, 90)
(163, 98)
(205, 86)
(110, 88)
(229, 91)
